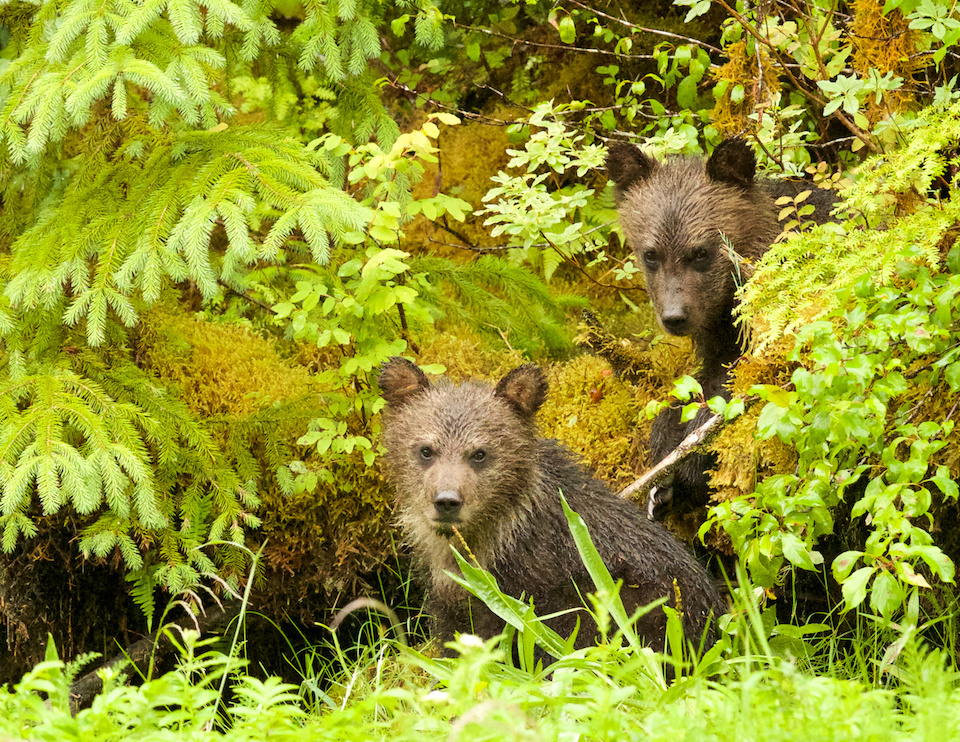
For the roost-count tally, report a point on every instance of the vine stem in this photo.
(643, 29)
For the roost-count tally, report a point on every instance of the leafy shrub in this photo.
(870, 342)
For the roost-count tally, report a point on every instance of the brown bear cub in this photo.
(675, 216)
(468, 458)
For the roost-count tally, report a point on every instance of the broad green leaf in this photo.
(483, 585)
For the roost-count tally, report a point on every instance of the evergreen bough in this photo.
(124, 173)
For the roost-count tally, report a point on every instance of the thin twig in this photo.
(583, 270)
(561, 47)
(483, 249)
(404, 330)
(443, 224)
(643, 29)
(246, 296)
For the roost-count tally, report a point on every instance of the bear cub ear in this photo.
(732, 162)
(400, 381)
(627, 166)
(525, 389)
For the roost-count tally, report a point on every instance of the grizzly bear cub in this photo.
(468, 458)
(680, 217)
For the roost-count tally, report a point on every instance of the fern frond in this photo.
(144, 585)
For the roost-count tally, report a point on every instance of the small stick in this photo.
(374, 605)
(642, 485)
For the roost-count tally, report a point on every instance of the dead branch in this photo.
(145, 653)
(642, 486)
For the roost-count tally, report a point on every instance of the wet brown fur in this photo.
(510, 514)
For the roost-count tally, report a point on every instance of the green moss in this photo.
(467, 355)
(220, 369)
(732, 117)
(594, 413)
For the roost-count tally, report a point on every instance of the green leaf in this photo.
(398, 25)
(797, 552)
(687, 92)
(844, 563)
(607, 590)
(483, 585)
(951, 375)
(887, 595)
(854, 588)
(686, 387)
(697, 9)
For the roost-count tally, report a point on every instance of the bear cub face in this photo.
(461, 455)
(681, 217)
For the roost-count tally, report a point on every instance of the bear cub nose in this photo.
(675, 324)
(447, 503)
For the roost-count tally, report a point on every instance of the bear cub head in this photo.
(460, 456)
(681, 217)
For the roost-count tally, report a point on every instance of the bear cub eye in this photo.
(650, 259)
(700, 255)
(426, 453)
(478, 456)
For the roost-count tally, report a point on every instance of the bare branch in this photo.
(561, 47)
(688, 445)
(643, 29)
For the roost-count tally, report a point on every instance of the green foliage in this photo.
(107, 444)
(802, 278)
(166, 60)
(499, 299)
(546, 207)
(853, 416)
(351, 308)
(607, 609)
(783, 77)
(758, 687)
(540, 209)
(358, 306)
(419, 698)
(107, 464)
(127, 173)
(241, 156)
(182, 704)
(870, 404)
(80, 264)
